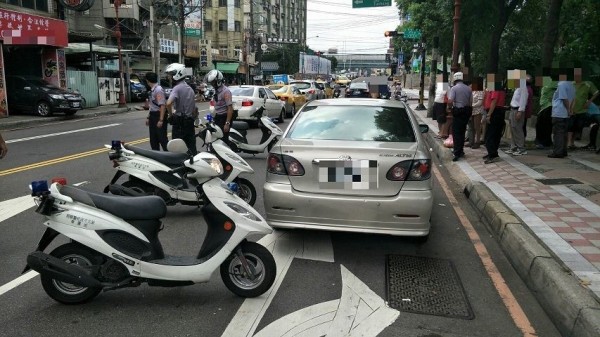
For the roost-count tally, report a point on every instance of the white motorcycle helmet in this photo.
(215, 76)
(177, 70)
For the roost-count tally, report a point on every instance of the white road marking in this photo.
(12, 207)
(18, 281)
(359, 312)
(285, 245)
(61, 133)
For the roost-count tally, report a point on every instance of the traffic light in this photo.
(390, 33)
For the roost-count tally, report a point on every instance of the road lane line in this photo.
(63, 159)
(61, 133)
(18, 281)
(510, 302)
(12, 207)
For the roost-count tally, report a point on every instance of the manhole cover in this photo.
(559, 181)
(427, 286)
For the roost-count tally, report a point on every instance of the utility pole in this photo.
(153, 55)
(181, 31)
(456, 19)
(422, 83)
(432, 76)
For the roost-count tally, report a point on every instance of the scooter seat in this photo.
(168, 158)
(240, 125)
(126, 208)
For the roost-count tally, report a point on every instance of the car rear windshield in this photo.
(358, 123)
(302, 85)
(242, 91)
(359, 85)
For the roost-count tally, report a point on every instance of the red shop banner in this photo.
(21, 28)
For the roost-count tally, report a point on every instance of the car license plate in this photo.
(75, 104)
(348, 174)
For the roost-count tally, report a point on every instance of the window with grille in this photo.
(222, 25)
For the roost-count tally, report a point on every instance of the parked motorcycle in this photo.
(336, 93)
(239, 142)
(176, 176)
(233, 164)
(114, 243)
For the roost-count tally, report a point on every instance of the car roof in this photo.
(358, 101)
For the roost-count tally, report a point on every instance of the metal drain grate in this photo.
(559, 181)
(427, 286)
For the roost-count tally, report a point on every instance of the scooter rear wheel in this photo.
(67, 293)
(260, 260)
(246, 191)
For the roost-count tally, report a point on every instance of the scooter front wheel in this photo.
(246, 191)
(260, 261)
(72, 253)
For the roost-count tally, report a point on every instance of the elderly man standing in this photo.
(460, 103)
(516, 118)
(562, 110)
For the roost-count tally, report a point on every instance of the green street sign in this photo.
(193, 32)
(370, 3)
(413, 34)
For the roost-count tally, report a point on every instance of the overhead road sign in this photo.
(370, 3)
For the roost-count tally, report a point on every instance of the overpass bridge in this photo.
(352, 62)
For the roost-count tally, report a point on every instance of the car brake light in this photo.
(410, 170)
(284, 165)
(311, 91)
(247, 102)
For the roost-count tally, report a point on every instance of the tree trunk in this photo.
(467, 53)
(551, 35)
(504, 12)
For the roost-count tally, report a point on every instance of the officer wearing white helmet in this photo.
(182, 100)
(460, 102)
(222, 102)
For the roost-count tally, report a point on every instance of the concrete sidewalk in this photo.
(547, 224)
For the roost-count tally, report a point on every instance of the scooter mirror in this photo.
(177, 146)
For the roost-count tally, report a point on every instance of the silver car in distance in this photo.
(351, 164)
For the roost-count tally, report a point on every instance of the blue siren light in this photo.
(209, 117)
(39, 188)
(115, 144)
(233, 187)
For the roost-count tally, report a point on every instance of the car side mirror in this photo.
(424, 128)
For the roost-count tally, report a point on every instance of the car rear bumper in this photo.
(405, 214)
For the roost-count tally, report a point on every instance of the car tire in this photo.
(281, 117)
(43, 109)
(293, 110)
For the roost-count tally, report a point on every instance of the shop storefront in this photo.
(31, 45)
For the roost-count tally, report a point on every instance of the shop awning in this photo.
(228, 68)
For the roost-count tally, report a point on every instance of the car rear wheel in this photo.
(43, 109)
(281, 117)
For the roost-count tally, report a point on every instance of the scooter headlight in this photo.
(243, 211)
(215, 164)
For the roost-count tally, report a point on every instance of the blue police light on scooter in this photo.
(233, 187)
(39, 188)
(209, 117)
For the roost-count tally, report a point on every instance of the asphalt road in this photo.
(346, 263)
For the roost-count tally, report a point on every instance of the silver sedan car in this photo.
(348, 164)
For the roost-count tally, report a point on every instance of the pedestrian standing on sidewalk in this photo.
(516, 118)
(495, 118)
(585, 93)
(3, 148)
(474, 129)
(529, 107)
(182, 106)
(439, 109)
(459, 102)
(543, 125)
(562, 109)
(157, 117)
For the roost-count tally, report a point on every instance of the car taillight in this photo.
(284, 165)
(283, 98)
(311, 91)
(247, 102)
(410, 170)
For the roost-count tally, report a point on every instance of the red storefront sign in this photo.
(22, 28)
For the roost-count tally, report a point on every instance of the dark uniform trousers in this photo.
(460, 119)
(158, 136)
(183, 128)
(494, 131)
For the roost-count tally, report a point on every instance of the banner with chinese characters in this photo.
(50, 66)
(191, 48)
(26, 29)
(169, 46)
(3, 105)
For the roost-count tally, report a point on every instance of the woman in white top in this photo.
(439, 112)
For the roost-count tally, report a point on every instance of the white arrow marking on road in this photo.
(61, 133)
(359, 312)
(285, 245)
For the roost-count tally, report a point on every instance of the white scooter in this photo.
(164, 174)
(114, 244)
(233, 164)
(239, 142)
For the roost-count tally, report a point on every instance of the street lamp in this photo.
(117, 34)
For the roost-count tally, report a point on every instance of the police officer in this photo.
(182, 101)
(460, 104)
(222, 101)
(157, 117)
